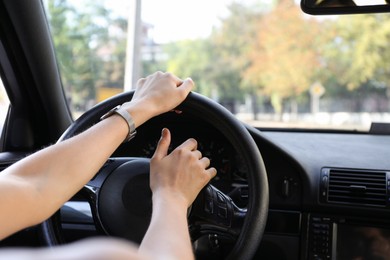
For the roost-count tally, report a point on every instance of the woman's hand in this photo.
(159, 93)
(181, 174)
(175, 180)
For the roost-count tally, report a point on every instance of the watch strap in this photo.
(127, 117)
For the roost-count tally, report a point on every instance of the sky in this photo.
(186, 19)
(180, 19)
(174, 19)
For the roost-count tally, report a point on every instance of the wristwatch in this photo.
(126, 116)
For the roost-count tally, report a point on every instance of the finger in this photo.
(177, 111)
(191, 144)
(198, 154)
(178, 81)
(163, 144)
(141, 82)
(205, 162)
(154, 76)
(212, 172)
(187, 86)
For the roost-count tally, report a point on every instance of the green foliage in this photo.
(191, 58)
(283, 58)
(216, 63)
(359, 52)
(81, 38)
(112, 52)
(231, 46)
(270, 50)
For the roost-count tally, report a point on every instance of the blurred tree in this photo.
(230, 48)
(149, 66)
(356, 59)
(216, 63)
(57, 12)
(77, 35)
(191, 58)
(284, 56)
(360, 50)
(112, 52)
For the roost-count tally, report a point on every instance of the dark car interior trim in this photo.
(40, 103)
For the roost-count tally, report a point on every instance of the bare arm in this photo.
(176, 179)
(34, 188)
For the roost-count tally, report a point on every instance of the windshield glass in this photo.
(4, 103)
(265, 61)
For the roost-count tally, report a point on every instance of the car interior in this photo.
(280, 192)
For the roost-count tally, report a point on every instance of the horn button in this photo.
(125, 201)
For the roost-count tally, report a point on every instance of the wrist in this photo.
(168, 197)
(140, 112)
(125, 115)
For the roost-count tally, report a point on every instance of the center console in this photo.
(342, 238)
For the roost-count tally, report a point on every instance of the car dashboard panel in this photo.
(345, 192)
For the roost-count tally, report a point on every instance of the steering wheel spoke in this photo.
(214, 212)
(109, 166)
(215, 223)
(90, 190)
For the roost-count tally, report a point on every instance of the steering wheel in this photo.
(120, 196)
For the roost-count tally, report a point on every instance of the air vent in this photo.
(354, 187)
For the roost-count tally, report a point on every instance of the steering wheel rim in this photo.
(216, 115)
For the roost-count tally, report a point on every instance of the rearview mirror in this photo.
(345, 6)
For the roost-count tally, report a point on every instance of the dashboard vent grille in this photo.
(363, 188)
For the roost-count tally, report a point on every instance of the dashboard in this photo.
(211, 143)
(306, 220)
(344, 186)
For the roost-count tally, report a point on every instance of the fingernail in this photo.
(163, 132)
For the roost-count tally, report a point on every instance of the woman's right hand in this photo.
(182, 173)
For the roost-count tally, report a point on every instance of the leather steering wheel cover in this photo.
(199, 106)
(256, 217)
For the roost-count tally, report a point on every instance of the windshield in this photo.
(4, 103)
(265, 61)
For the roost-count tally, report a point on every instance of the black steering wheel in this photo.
(120, 196)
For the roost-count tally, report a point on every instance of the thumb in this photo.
(163, 144)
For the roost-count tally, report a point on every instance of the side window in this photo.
(4, 103)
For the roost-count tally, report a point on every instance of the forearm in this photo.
(38, 185)
(168, 236)
(48, 178)
(34, 188)
(58, 171)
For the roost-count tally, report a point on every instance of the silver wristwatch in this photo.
(126, 116)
